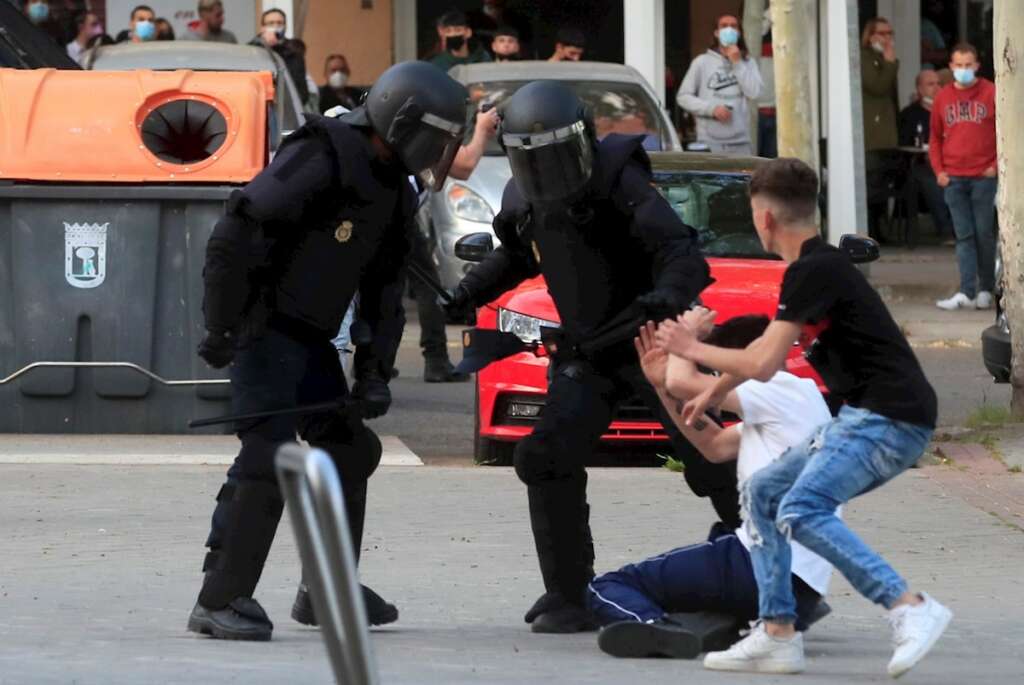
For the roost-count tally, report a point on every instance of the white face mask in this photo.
(337, 80)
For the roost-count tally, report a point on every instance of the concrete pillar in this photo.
(644, 41)
(847, 200)
(403, 17)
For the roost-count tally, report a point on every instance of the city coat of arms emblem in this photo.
(85, 254)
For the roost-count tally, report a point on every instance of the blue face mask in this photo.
(145, 30)
(728, 36)
(38, 12)
(964, 77)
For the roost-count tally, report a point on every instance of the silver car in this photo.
(285, 116)
(619, 98)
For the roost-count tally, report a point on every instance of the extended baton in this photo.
(421, 274)
(343, 404)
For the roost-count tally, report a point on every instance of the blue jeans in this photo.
(970, 202)
(798, 495)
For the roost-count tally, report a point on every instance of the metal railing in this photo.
(112, 365)
(316, 507)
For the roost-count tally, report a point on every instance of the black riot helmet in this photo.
(549, 137)
(420, 114)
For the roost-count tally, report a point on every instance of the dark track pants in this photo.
(716, 575)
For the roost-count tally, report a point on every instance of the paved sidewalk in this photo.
(101, 566)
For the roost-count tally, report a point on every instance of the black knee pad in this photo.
(356, 454)
(529, 460)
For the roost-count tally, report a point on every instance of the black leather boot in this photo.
(242, 619)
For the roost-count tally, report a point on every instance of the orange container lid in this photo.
(133, 126)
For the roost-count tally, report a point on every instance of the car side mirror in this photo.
(858, 248)
(474, 247)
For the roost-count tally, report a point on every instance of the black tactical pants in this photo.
(550, 461)
(275, 372)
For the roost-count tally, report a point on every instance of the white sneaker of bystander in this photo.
(958, 301)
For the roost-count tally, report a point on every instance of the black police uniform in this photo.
(331, 214)
(617, 243)
(329, 218)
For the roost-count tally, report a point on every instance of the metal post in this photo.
(316, 507)
(847, 204)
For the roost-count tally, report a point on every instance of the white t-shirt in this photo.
(777, 415)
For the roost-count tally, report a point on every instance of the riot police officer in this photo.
(585, 215)
(330, 216)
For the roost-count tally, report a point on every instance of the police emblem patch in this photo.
(85, 254)
(343, 232)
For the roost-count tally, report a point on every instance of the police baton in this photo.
(420, 273)
(344, 404)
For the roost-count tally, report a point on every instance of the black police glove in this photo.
(374, 394)
(217, 349)
(659, 305)
(460, 303)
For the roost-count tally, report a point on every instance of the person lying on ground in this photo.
(636, 602)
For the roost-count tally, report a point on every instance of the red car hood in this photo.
(742, 286)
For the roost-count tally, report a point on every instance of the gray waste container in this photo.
(105, 273)
(106, 207)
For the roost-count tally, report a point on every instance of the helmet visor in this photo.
(429, 148)
(552, 165)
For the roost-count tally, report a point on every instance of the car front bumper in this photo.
(512, 392)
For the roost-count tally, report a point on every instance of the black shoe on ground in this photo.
(568, 619)
(442, 371)
(545, 603)
(378, 611)
(243, 619)
(820, 611)
(636, 640)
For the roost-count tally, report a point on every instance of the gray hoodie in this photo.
(713, 80)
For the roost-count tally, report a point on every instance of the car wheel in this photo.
(487, 452)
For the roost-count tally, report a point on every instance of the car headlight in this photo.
(526, 328)
(465, 204)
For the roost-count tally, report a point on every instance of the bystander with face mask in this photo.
(336, 90)
(717, 88)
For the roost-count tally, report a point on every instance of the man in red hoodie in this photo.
(962, 149)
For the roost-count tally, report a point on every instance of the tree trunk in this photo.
(792, 31)
(1008, 51)
(753, 21)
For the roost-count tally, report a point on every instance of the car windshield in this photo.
(717, 205)
(617, 107)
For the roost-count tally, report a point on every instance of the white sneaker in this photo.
(759, 652)
(958, 301)
(915, 629)
(984, 300)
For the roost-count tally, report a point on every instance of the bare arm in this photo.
(716, 443)
(684, 381)
(469, 155)
(760, 360)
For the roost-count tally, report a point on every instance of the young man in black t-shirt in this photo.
(883, 428)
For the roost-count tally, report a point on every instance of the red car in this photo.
(709, 192)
